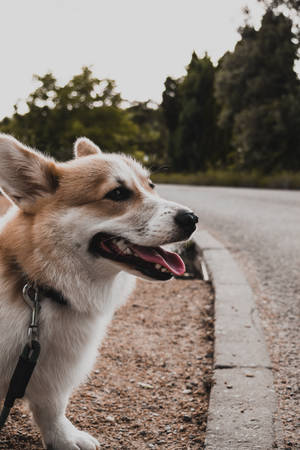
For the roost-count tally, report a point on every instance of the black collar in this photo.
(53, 294)
(45, 290)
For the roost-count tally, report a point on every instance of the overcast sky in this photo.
(138, 43)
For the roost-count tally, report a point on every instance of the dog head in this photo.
(99, 209)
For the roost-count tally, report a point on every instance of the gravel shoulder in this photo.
(150, 386)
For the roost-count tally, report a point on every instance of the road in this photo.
(262, 229)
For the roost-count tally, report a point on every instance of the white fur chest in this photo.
(69, 338)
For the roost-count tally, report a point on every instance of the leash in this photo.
(29, 356)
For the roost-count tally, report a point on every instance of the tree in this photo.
(152, 137)
(254, 86)
(291, 8)
(293, 5)
(197, 122)
(190, 112)
(57, 115)
(171, 107)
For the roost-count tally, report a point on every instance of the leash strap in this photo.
(20, 378)
(28, 358)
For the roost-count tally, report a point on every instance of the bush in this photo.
(254, 179)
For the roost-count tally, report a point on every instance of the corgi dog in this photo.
(81, 231)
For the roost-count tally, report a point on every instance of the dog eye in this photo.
(152, 185)
(119, 194)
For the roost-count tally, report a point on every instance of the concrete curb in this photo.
(242, 401)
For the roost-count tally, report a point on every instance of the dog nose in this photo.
(186, 220)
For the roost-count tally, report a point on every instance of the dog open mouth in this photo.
(154, 262)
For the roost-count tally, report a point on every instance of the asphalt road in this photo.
(262, 229)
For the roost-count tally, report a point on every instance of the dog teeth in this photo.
(160, 268)
(128, 251)
(122, 245)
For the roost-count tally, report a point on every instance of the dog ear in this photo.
(25, 174)
(84, 147)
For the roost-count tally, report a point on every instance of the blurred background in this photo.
(210, 89)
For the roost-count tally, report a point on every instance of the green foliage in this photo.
(243, 115)
(171, 107)
(197, 120)
(190, 113)
(152, 137)
(293, 5)
(292, 9)
(227, 178)
(258, 91)
(85, 106)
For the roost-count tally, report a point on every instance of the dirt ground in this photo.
(151, 383)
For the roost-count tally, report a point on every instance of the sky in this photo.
(137, 43)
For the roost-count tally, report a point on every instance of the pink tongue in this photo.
(169, 260)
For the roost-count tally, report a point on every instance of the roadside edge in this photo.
(242, 401)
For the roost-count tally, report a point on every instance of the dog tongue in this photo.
(169, 260)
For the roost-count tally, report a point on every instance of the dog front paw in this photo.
(71, 439)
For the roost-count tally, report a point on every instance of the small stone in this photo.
(187, 391)
(125, 419)
(187, 418)
(145, 385)
(110, 419)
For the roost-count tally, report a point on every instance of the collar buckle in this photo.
(31, 298)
